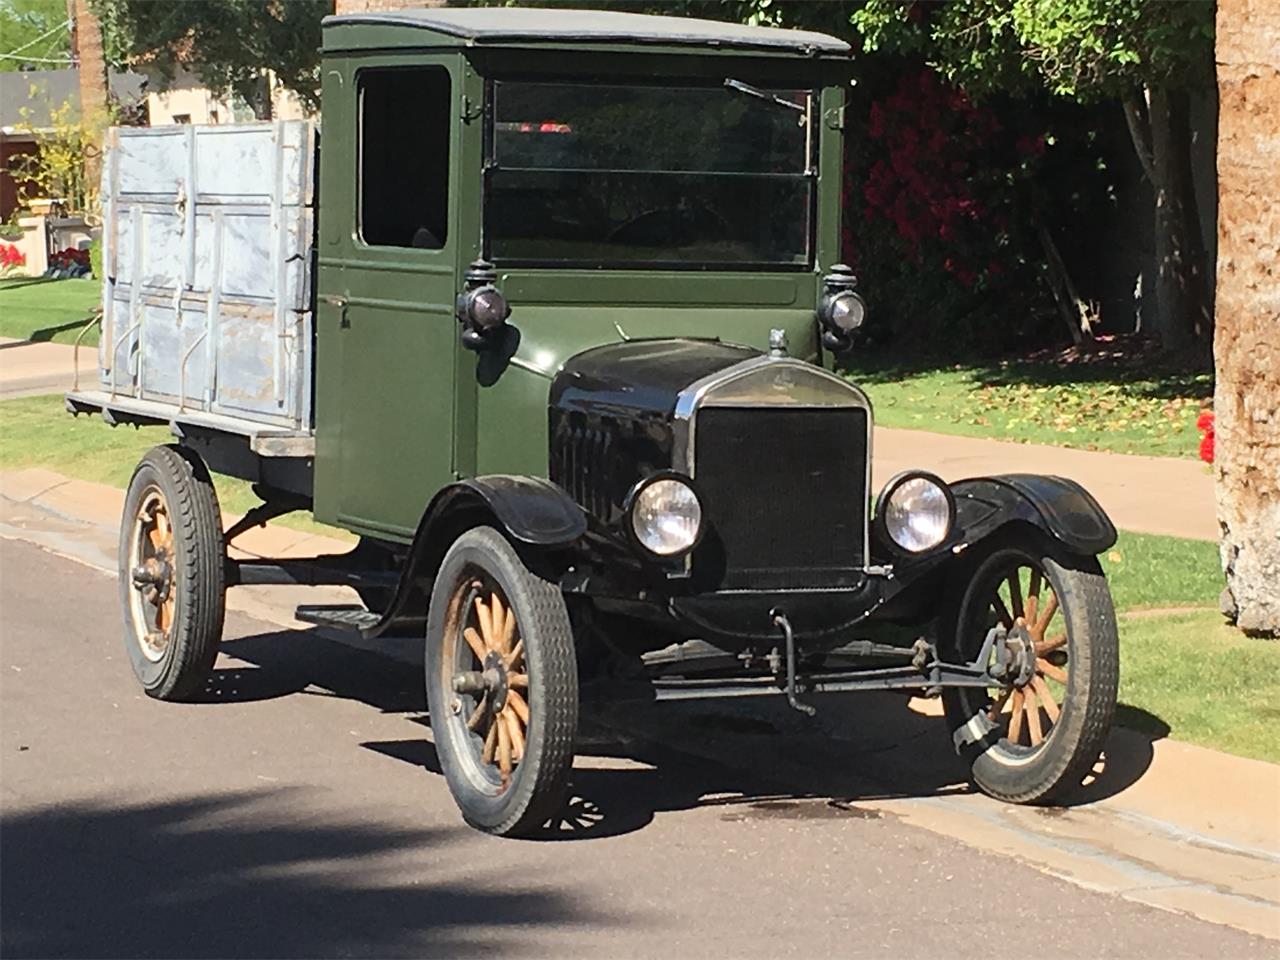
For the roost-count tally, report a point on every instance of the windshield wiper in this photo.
(761, 94)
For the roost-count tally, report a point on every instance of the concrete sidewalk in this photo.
(28, 369)
(1163, 823)
(1142, 494)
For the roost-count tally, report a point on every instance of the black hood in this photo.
(640, 376)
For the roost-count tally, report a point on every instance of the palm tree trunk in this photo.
(1247, 338)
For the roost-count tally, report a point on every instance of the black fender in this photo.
(531, 511)
(1062, 508)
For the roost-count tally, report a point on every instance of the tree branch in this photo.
(1139, 123)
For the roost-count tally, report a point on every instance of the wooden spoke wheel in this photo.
(501, 685)
(489, 681)
(1037, 734)
(1026, 605)
(153, 575)
(172, 575)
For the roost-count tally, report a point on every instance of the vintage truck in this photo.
(546, 310)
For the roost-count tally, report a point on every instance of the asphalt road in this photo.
(298, 811)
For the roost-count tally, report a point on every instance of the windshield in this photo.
(649, 176)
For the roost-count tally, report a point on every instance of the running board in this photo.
(344, 616)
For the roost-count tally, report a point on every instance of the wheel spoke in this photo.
(1015, 720)
(1002, 612)
(514, 656)
(520, 680)
(1050, 671)
(1033, 717)
(1046, 697)
(516, 734)
(1050, 608)
(998, 704)
(1033, 595)
(508, 632)
(504, 747)
(518, 703)
(473, 722)
(499, 621)
(1015, 594)
(486, 624)
(1048, 646)
(490, 744)
(475, 643)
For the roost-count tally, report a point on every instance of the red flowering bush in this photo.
(11, 258)
(1205, 425)
(70, 257)
(943, 201)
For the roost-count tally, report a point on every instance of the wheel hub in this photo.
(495, 680)
(1022, 655)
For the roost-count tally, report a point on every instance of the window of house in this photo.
(403, 166)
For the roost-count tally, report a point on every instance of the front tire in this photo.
(502, 685)
(1036, 737)
(172, 573)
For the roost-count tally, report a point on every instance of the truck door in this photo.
(386, 335)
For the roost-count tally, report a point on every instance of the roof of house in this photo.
(503, 25)
(29, 97)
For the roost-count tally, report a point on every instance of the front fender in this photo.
(530, 510)
(1060, 507)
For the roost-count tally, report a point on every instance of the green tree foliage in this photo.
(1081, 49)
(229, 44)
(34, 34)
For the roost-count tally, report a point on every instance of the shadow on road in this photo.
(750, 755)
(242, 876)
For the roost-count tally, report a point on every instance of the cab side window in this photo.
(403, 164)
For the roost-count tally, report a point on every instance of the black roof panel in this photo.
(512, 24)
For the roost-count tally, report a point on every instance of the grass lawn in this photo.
(1149, 571)
(34, 308)
(1116, 402)
(1210, 684)
(1203, 680)
(38, 432)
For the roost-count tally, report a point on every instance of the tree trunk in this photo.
(93, 85)
(1247, 339)
(1182, 296)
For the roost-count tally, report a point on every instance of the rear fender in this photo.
(1060, 507)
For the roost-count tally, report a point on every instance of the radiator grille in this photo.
(784, 490)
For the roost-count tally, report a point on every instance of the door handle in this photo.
(341, 302)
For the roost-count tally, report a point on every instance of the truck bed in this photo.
(207, 299)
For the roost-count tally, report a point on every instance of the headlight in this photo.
(917, 511)
(844, 311)
(666, 517)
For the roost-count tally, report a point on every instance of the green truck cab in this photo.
(546, 313)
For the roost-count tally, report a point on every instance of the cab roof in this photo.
(555, 26)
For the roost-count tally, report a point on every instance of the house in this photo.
(28, 100)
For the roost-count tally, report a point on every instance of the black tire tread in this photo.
(539, 790)
(201, 602)
(1087, 713)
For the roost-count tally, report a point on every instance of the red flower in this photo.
(11, 256)
(1206, 447)
(1204, 423)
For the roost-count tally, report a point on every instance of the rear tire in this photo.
(172, 573)
(506, 748)
(1065, 709)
